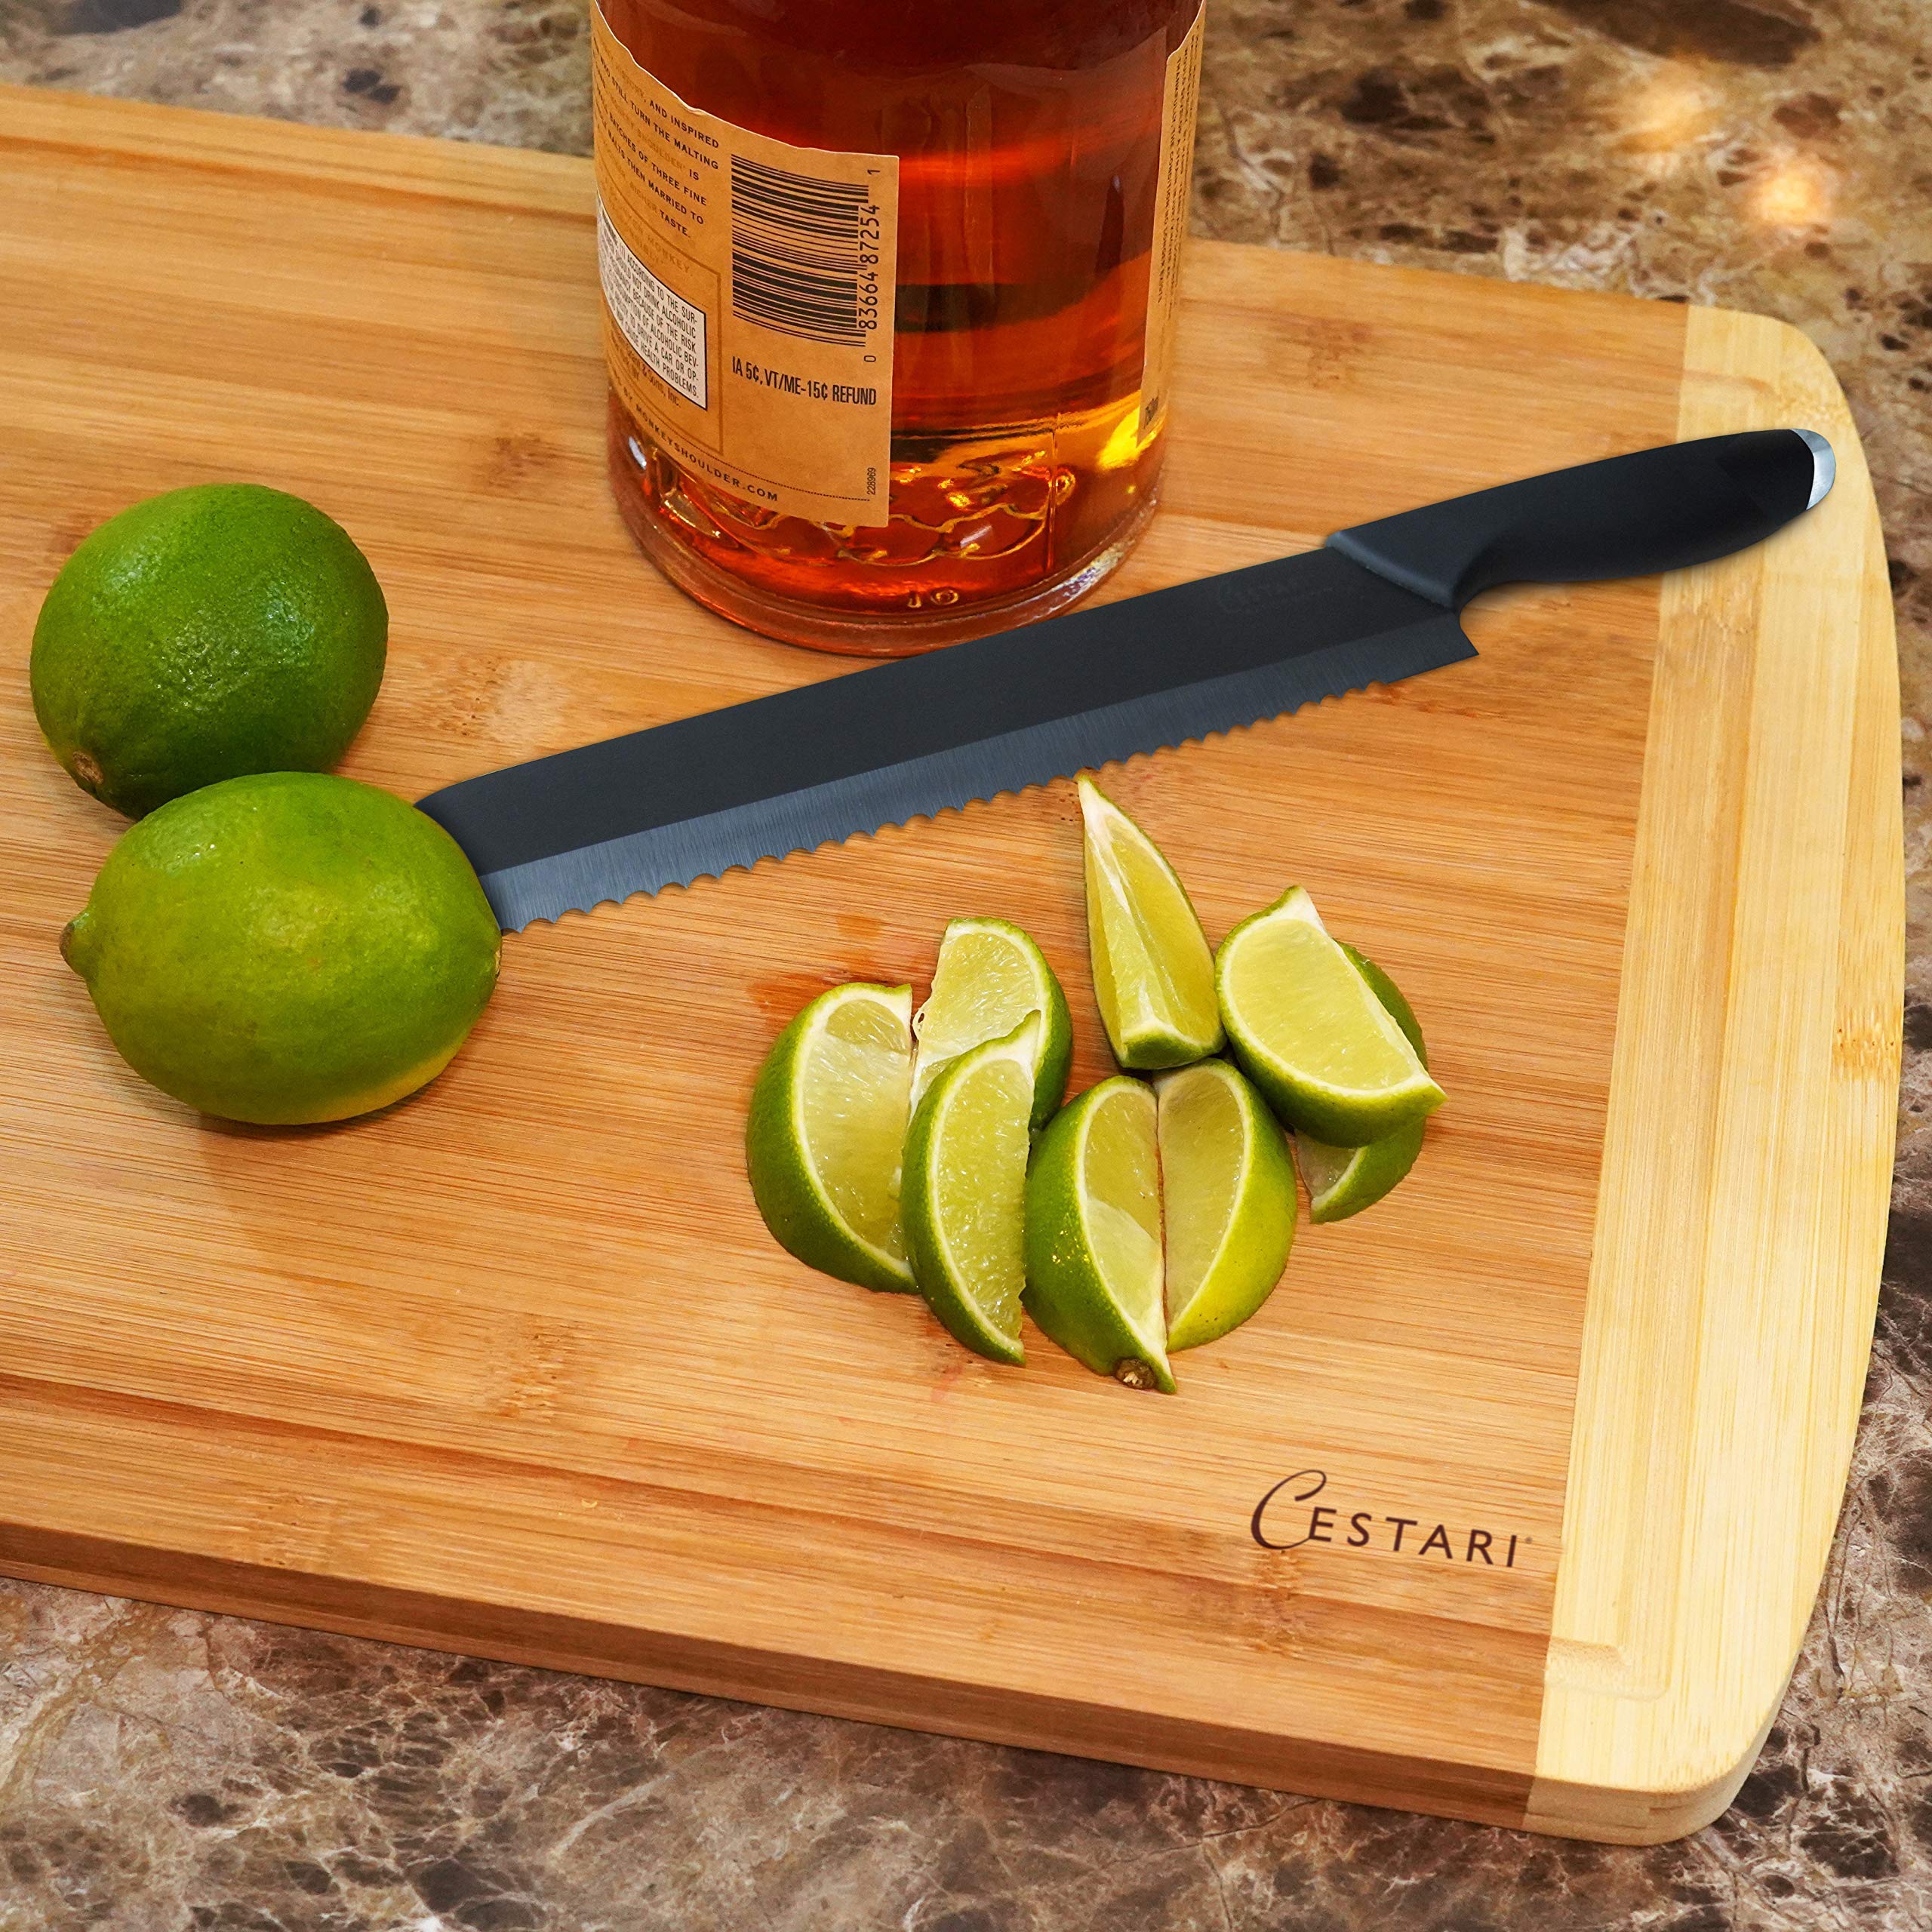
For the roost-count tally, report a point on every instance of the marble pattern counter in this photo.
(167, 1772)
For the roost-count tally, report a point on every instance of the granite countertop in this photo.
(160, 1770)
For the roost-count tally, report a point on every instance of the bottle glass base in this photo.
(675, 530)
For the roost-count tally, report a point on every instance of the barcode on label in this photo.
(799, 249)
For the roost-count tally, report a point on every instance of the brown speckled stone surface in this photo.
(160, 1771)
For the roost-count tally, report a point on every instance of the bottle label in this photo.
(1180, 102)
(748, 296)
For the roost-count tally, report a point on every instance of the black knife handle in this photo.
(1626, 516)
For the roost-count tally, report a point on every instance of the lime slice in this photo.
(989, 976)
(1093, 1272)
(966, 1190)
(1227, 1201)
(827, 1124)
(1153, 974)
(1308, 1031)
(1342, 1181)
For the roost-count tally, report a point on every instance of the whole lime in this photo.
(202, 634)
(287, 947)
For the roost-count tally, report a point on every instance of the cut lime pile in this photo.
(1151, 1217)
(965, 1190)
(1153, 974)
(827, 1124)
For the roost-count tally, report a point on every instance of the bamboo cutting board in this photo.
(514, 1369)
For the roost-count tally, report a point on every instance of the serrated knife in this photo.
(1377, 603)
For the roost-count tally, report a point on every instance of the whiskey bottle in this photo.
(890, 288)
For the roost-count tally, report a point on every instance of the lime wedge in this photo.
(989, 976)
(1390, 995)
(966, 1190)
(1227, 1201)
(1308, 1031)
(1342, 1181)
(827, 1124)
(1093, 1272)
(1153, 974)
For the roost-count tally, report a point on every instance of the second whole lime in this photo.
(203, 634)
(287, 948)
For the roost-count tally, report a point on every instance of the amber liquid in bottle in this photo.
(1022, 461)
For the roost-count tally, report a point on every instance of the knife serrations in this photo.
(843, 728)
(982, 767)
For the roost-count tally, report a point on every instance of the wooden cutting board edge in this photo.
(1785, 898)
(1747, 1164)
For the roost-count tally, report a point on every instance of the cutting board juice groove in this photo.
(513, 1369)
